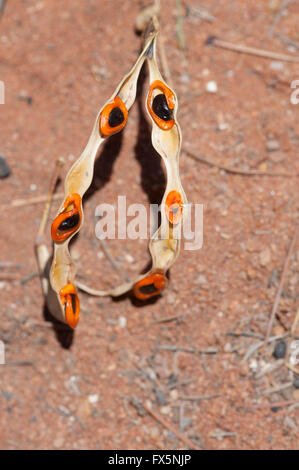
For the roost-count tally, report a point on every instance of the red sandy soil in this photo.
(85, 390)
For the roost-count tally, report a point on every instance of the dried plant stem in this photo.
(251, 50)
(279, 404)
(33, 200)
(179, 25)
(45, 216)
(114, 264)
(280, 287)
(294, 326)
(170, 427)
(235, 171)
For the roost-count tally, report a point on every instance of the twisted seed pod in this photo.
(62, 297)
(164, 246)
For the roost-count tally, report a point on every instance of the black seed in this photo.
(116, 117)
(148, 289)
(280, 350)
(4, 168)
(274, 409)
(73, 299)
(70, 222)
(210, 40)
(160, 108)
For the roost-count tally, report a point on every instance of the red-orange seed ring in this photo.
(149, 286)
(68, 212)
(105, 128)
(174, 207)
(157, 84)
(71, 316)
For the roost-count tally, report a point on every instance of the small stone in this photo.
(272, 145)
(277, 157)
(174, 394)
(278, 330)
(58, 443)
(265, 257)
(122, 322)
(129, 258)
(84, 409)
(93, 399)
(251, 273)
(276, 65)
(202, 279)
(212, 87)
(154, 433)
(160, 397)
(280, 350)
(5, 171)
(165, 410)
(296, 394)
(185, 78)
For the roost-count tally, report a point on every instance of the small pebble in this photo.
(265, 257)
(212, 87)
(185, 78)
(93, 399)
(5, 171)
(122, 321)
(280, 350)
(165, 410)
(276, 65)
(160, 397)
(277, 157)
(272, 145)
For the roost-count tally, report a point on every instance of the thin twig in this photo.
(45, 216)
(114, 264)
(188, 349)
(179, 25)
(277, 389)
(236, 171)
(279, 404)
(254, 347)
(170, 428)
(167, 319)
(251, 50)
(294, 326)
(280, 287)
(164, 61)
(30, 276)
(292, 368)
(27, 202)
(199, 397)
(278, 15)
(9, 277)
(2, 8)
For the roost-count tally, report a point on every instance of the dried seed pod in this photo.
(111, 119)
(164, 246)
